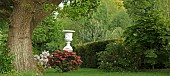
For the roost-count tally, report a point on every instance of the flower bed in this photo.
(64, 60)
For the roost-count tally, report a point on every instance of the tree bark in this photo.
(19, 37)
(26, 15)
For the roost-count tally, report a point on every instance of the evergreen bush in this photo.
(116, 58)
(88, 52)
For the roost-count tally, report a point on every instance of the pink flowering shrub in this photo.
(64, 60)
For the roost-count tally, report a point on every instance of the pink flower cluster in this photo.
(64, 60)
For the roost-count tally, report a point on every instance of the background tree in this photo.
(149, 36)
(107, 22)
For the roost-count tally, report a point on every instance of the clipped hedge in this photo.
(88, 52)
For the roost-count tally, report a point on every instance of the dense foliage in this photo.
(149, 36)
(48, 36)
(116, 57)
(77, 9)
(5, 57)
(88, 52)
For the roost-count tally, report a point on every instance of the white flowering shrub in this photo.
(42, 58)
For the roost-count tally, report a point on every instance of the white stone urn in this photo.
(68, 38)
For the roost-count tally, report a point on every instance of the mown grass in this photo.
(19, 74)
(96, 72)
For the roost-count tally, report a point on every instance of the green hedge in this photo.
(116, 57)
(88, 52)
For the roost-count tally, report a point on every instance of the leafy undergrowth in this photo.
(96, 72)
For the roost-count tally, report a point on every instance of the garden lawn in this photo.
(96, 72)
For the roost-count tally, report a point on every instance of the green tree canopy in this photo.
(149, 36)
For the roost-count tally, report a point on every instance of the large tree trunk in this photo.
(19, 37)
(26, 15)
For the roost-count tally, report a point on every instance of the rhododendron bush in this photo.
(64, 60)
